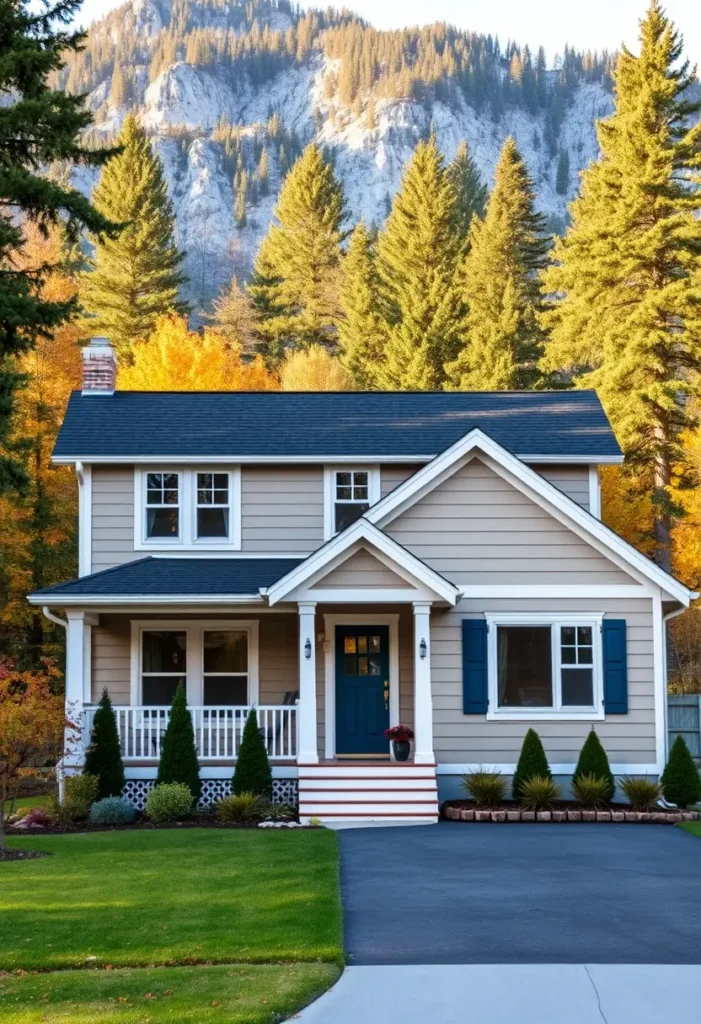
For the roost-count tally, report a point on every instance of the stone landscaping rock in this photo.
(498, 815)
(527, 815)
(544, 816)
(630, 815)
(675, 817)
(513, 815)
(574, 815)
(690, 815)
(618, 816)
(453, 813)
(588, 815)
(559, 815)
(467, 814)
(644, 816)
(603, 815)
(483, 815)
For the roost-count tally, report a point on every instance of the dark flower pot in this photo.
(401, 749)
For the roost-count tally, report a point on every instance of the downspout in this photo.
(54, 618)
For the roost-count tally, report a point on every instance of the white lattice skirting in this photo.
(136, 791)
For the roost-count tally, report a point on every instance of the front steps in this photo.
(368, 791)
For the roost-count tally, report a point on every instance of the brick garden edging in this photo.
(659, 817)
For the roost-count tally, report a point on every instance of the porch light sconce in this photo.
(422, 649)
(308, 649)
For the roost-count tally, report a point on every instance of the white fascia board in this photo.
(117, 600)
(558, 590)
(152, 460)
(534, 486)
(361, 530)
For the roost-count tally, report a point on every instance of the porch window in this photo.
(162, 506)
(225, 663)
(164, 654)
(351, 497)
(213, 507)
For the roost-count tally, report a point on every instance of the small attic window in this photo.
(349, 493)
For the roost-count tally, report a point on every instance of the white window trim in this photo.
(374, 487)
(194, 661)
(187, 539)
(595, 713)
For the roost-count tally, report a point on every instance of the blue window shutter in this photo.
(615, 666)
(474, 667)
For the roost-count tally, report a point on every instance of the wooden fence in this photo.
(684, 719)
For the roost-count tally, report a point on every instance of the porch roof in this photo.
(174, 577)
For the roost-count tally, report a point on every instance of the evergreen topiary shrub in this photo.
(532, 762)
(594, 761)
(103, 758)
(252, 773)
(680, 779)
(113, 810)
(169, 801)
(178, 752)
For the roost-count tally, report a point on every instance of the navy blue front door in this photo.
(362, 689)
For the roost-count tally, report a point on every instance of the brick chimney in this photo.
(99, 368)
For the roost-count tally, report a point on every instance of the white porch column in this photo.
(307, 752)
(423, 701)
(76, 664)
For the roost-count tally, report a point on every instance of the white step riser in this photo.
(420, 772)
(369, 819)
(348, 785)
(389, 809)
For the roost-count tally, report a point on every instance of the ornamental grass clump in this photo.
(591, 791)
(113, 810)
(680, 779)
(539, 793)
(240, 808)
(169, 801)
(532, 763)
(485, 788)
(641, 794)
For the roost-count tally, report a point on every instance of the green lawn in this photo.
(28, 801)
(694, 827)
(139, 900)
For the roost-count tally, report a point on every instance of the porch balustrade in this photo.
(218, 730)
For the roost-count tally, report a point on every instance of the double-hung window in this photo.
(545, 667)
(349, 493)
(188, 508)
(162, 506)
(213, 505)
(163, 664)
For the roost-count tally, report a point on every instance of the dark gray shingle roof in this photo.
(161, 577)
(318, 424)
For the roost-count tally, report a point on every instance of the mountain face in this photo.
(232, 91)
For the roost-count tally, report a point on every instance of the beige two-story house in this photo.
(349, 562)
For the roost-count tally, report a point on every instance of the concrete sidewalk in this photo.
(511, 994)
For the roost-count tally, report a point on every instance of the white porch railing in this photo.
(218, 730)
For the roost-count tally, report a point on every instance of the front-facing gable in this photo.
(363, 570)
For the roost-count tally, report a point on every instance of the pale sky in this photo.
(586, 24)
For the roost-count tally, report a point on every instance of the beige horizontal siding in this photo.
(573, 480)
(111, 657)
(469, 739)
(362, 570)
(393, 476)
(112, 516)
(282, 508)
(475, 527)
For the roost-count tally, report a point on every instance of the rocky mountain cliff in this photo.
(232, 91)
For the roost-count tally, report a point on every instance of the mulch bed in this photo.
(22, 854)
(142, 824)
(465, 810)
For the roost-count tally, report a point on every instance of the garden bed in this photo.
(143, 824)
(464, 810)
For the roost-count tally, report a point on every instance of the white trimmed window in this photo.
(349, 491)
(185, 508)
(542, 666)
(217, 661)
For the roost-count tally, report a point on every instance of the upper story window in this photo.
(349, 492)
(187, 509)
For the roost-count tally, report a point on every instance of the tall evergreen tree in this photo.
(501, 287)
(417, 254)
(296, 275)
(629, 268)
(360, 329)
(103, 758)
(136, 276)
(470, 191)
(38, 126)
(562, 177)
(178, 761)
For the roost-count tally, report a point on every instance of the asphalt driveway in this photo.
(499, 894)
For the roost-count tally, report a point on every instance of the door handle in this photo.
(386, 695)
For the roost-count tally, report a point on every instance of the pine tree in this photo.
(240, 198)
(233, 316)
(136, 276)
(118, 92)
(416, 257)
(562, 177)
(178, 761)
(263, 172)
(296, 275)
(38, 126)
(628, 271)
(103, 758)
(593, 760)
(360, 329)
(252, 772)
(501, 288)
(680, 779)
(532, 761)
(470, 191)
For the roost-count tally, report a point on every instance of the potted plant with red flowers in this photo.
(401, 737)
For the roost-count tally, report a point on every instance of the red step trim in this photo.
(305, 803)
(385, 814)
(361, 778)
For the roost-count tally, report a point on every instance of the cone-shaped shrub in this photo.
(593, 761)
(178, 752)
(532, 761)
(103, 758)
(252, 773)
(680, 779)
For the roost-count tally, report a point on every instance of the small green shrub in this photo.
(79, 794)
(279, 812)
(252, 772)
(641, 793)
(591, 791)
(103, 758)
(240, 807)
(113, 810)
(539, 793)
(487, 789)
(593, 760)
(532, 762)
(169, 801)
(680, 779)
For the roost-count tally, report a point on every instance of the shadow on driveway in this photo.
(497, 894)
